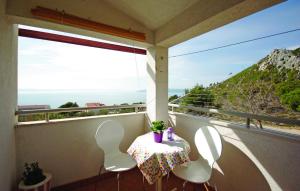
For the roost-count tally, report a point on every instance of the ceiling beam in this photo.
(78, 41)
(19, 12)
(71, 20)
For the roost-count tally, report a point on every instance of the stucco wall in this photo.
(251, 159)
(68, 149)
(8, 99)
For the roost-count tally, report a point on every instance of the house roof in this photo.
(33, 107)
(94, 104)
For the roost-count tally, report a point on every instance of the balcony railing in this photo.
(248, 116)
(46, 112)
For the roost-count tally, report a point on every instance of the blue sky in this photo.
(49, 65)
(215, 66)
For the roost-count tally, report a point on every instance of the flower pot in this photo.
(158, 137)
(41, 186)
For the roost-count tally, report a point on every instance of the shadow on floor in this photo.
(132, 181)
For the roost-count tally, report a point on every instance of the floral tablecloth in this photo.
(158, 159)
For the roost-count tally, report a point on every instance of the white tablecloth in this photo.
(158, 159)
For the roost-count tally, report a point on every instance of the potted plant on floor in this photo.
(34, 178)
(158, 127)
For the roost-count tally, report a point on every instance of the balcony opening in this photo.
(60, 70)
(249, 68)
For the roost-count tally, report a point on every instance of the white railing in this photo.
(46, 112)
(247, 116)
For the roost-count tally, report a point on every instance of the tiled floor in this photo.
(132, 181)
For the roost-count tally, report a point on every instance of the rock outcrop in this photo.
(281, 58)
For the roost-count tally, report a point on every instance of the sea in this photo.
(56, 98)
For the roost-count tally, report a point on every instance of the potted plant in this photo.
(34, 178)
(158, 127)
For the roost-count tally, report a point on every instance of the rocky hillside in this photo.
(272, 86)
(282, 59)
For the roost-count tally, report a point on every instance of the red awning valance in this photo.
(78, 41)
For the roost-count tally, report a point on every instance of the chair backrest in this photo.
(208, 143)
(109, 136)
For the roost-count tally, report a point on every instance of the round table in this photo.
(156, 160)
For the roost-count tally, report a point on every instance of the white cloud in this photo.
(49, 65)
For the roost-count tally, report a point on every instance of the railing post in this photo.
(136, 109)
(172, 109)
(248, 123)
(47, 117)
(16, 115)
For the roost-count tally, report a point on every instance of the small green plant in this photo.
(158, 126)
(33, 174)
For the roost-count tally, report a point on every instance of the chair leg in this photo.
(209, 187)
(205, 186)
(183, 185)
(167, 183)
(99, 173)
(143, 182)
(100, 170)
(118, 178)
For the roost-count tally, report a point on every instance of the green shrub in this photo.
(173, 97)
(85, 114)
(286, 87)
(292, 99)
(103, 112)
(198, 96)
(68, 105)
(296, 52)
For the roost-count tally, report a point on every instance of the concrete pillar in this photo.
(157, 83)
(8, 100)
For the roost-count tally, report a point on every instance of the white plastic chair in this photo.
(209, 146)
(108, 137)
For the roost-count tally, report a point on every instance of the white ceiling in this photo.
(152, 13)
(164, 22)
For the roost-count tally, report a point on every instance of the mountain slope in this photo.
(272, 86)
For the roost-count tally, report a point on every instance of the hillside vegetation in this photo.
(271, 86)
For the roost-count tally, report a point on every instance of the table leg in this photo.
(159, 184)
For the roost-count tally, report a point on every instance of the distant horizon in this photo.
(141, 90)
(56, 98)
